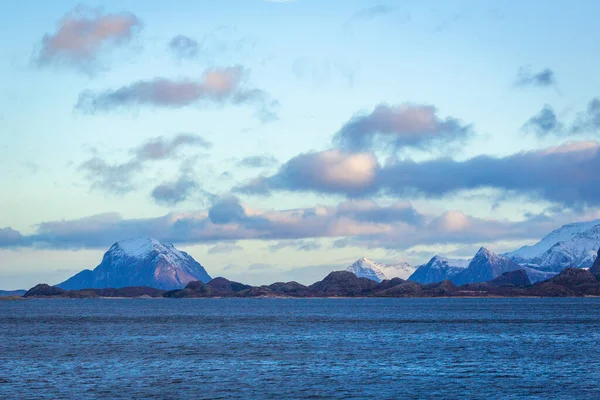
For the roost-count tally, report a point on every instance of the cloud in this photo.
(368, 211)
(544, 123)
(161, 148)
(217, 47)
(543, 78)
(118, 178)
(298, 245)
(224, 248)
(10, 237)
(258, 162)
(174, 192)
(375, 11)
(453, 227)
(226, 220)
(589, 120)
(296, 228)
(330, 171)
(216, 85)
(226, 211)
(82, 35)
(565, 174)
(398, 127)
(260, 267)
(183, 46)
(112, 178)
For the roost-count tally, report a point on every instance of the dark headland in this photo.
(571, 282)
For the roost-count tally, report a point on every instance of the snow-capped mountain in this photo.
(485, 266)
(140, 262)
(365, 268)
(573, 245)
(438, 269)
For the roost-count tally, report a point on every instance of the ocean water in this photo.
(301, 349)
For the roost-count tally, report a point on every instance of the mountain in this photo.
(140, 262)
(45, 291)
(516, 278)
(571, 282)
(573, 245)
(485, 266)
(365, 268)
(343, 283)
(438, 269)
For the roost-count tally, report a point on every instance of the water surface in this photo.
(300, 348)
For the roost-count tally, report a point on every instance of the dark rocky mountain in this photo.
(343, 283)
(289, 288)
(571, 282)
(43, 291)
(485, 266)
(218, 287)
(404, 289)
(222, 286)
(516, 278)
(140, 262)
(595, 269)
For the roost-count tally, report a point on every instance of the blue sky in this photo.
(396, 130)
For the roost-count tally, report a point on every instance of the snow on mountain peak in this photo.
(561, 234)
(366, 268)
(573, 245)
(440, 261)
(363, 267)
(142, 261)
(141, 247)
(438, 269)
(485, 253)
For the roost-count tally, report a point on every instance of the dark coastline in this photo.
(571, 282)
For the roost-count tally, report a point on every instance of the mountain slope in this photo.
(365, 268)
(573, 245)
(438, 269)
(579, 251)
(561, 234)
(140, 262)
(485, 266)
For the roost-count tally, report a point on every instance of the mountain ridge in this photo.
(366, 268)
(142, 261)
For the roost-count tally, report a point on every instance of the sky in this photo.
(280, 140)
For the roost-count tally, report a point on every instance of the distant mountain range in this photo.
(571, 282)
(146, 262)
(574, 245)
(140, 262)
(365, 268)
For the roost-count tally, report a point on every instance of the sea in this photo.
(300, 349)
